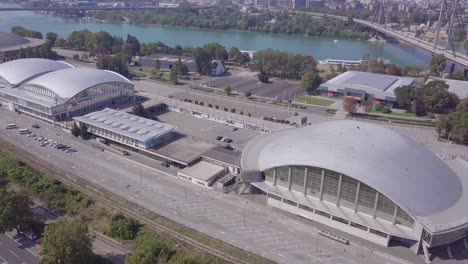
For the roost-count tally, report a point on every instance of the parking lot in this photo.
(33, 134)
(207, 130)
(276, 89)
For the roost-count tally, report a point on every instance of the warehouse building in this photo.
(460, 88)
(363, 179)
(10, 45)
(364, 85)
(127, 129)
(56, 91)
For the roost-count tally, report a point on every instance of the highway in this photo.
(263, 232)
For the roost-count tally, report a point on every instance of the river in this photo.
(319, 47)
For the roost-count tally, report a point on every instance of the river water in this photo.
(319, 47)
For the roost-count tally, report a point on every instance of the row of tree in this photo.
(26, 33)
(433, 97)
(229, 17)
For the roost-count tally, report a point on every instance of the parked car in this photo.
(219, 138)
(31, 236)
(165, 164)
(227, 140)
(70, 150)
(125, 153)
(234, 129)
(35, 126)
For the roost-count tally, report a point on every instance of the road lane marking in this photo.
(3, 261)
(29, 250)
(16, 255)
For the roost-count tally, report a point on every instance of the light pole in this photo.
(446, 145)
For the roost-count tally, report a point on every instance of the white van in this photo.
(11, 126)
(24, 131)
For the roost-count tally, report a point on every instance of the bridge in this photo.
(79, 8)
(456, 58)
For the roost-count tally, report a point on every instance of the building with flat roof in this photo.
(56, 91)
(460, 88)
(10, 44)
(363, 179)
(202, 173)
(127, 129)
(363, 85)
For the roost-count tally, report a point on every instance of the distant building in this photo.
(217, 68)
(363, 85)
(10, 45)
(167, 61)
(168, 4)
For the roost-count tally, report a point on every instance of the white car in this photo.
(42, 144)
(70, 150)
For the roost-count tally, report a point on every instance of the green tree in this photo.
(181, 68)
(84, 57)
(138, 109)
(436, 97)
(157, 65)
(405, 95)
(455, 124)
(84, 133)
(418, 107)
(51, 37)
(311, 81)
(216, 51)
(202, 61)
(173, 76)
(437, 65)
(60, 42)
(67, 242)
(227, 90)
(132, 46)
(234, 53)
(14, 209)
(263, 77)
(248, 94)
(75, 130)
(123, 228)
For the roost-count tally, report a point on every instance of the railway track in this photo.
(109, 200)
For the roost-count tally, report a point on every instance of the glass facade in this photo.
(314, 181)
(345, 192)
(282, 175)
(330, 186)
(297, 178)
(348, 192)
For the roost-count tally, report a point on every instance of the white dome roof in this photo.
(69, 82)
(395, 165)
(18, 71)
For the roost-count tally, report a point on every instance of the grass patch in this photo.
(203, 89)
(314, 101)
(395, 113)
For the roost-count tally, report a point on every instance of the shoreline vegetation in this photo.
(228, 18)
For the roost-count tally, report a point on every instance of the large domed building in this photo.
(57, 91)
(363, 179)
(10, 44)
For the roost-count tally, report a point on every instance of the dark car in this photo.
(219, 137)
(35, 126)
(165, 164)
(125, 153)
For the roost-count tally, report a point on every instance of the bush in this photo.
(48, 189)
(248, 94)
(386, 110)
(124, 228)
(263, 77)
(378, 107)
(430, 115)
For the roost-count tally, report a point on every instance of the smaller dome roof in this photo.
(18, 71)
(69, 82)
(8, 40)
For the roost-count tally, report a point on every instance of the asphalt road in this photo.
(11, 252)
(227, 217)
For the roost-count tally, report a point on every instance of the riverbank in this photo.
(319, 47)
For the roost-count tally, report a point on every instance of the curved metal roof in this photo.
(69, 82)
(395, 165)
(18, 71)
(10, 40)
